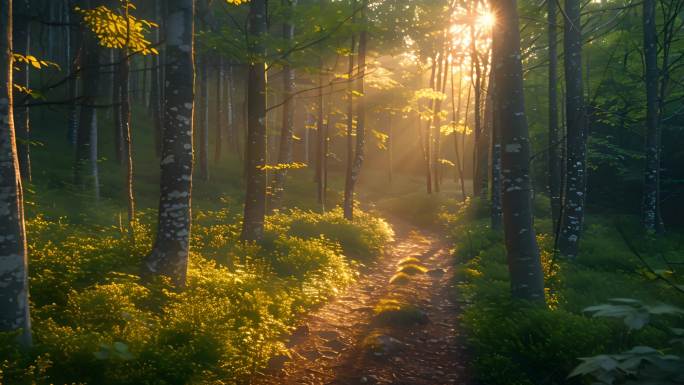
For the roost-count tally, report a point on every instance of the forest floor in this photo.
(379, 332)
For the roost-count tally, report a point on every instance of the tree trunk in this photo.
(219, 125)
(651, 217)
(320, 145)
(427, 147)
(203, 137)
(90, 73)
(74, 67)
(390, 138)
(255, 154)
(527, 279)
(440, 85)
(169, 255)
(22, 44)
(455, 119)
(287, 125)
(348, 187)
(14, 299)
(554, 140)
(496, 209)
(359, 155)
(156, 82)
(127, 139)
(573, 208)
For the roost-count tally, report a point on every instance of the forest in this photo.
(479, 192)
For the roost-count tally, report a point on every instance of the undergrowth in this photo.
(516, 343)
(96, 322)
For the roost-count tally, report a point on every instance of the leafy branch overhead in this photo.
(118, 29)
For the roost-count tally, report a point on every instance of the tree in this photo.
(287, 122)
(651, 218)
(255, 154)
(554, 157)
(169, 255)
(14, 297)
(90, 73)
(527, 279)
(359, 150)
(575, 186)
(22, 43)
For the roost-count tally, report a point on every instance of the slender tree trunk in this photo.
(651, 217)
(255, 157)
(232, 131)
(74, 66)
(320, 145)
(496, 124)
(169, 255)
(90, 73)
(203, 121)
(14, 298)
(348, 186)
(219, 125)
(390, 149)
(554, 140)
(427, 147)
(477, 127)
(22, 39)
(455, 119)
(573, 208)
(440, 85)
(127, 139)
(116, 111)
(155, 87)
(527, 279)
(287, 122)
(359, 155)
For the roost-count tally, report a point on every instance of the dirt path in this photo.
(345, 342)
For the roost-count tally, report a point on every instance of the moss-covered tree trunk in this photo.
(169, 255)
(14, 301)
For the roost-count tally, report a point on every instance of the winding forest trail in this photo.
(345, 343)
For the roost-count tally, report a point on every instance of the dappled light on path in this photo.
(384, 329)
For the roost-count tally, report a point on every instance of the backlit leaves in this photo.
(118, 29)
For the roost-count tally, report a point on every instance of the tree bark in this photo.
(156, 82)
(219, 126)
(554, 143)
(573, 207)
(348, 188)
(360, 131)
(204, 120)
(90, 73)
(169, 255)
(651, 218)
(22, 44)
(287, 122)
(255, 154)
(14, 297)
(527, 279)
(455, 119)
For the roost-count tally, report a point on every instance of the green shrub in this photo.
(95, 321)
(363, 239)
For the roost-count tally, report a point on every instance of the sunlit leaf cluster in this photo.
(118, 29)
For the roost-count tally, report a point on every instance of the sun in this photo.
(486, 20)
